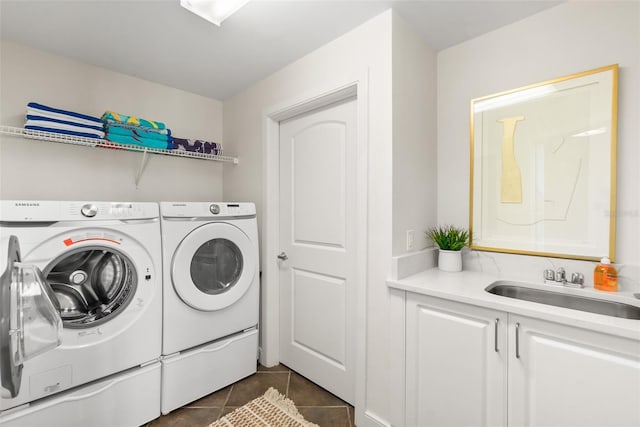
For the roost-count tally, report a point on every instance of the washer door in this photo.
(213, 266)
(29, 319)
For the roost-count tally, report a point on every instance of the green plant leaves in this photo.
(448, 237)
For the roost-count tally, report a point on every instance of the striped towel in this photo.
(35, 109)
(64, 131)
(52, 125)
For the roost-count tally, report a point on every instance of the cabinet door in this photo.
(456, 364)
(566, 376)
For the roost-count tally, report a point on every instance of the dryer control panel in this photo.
(207, 209)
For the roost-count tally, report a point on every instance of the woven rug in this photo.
(269, 410)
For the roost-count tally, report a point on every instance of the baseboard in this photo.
(373, 420)
(408, 264)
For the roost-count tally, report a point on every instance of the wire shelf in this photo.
(103, 143)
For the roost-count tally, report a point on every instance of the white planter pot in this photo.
(450, 260)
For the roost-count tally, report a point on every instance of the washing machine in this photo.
(210, 299)
(81, 314)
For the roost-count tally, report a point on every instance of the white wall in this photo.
(414, 137)
(49, 171)
(571, 37)
(364, 51)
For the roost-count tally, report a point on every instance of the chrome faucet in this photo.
(559, 277)
(549, 275)
(577, 280)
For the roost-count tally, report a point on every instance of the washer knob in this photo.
(214, 209)
(89, 210)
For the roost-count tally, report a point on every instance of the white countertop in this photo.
(469, 287)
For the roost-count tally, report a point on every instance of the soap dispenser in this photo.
(605, 276)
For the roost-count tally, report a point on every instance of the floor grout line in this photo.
(286, 394)
(224, 405)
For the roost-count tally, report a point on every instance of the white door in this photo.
(30, 322)
(456, 364)
(318, 240)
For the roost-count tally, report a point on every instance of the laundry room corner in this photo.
(219, 210)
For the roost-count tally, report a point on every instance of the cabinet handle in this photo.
(495, 335)
(517, 340)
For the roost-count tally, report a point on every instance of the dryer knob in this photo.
(215, 209)
(89, 210)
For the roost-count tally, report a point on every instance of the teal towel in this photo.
(144, 142)
(137, 133)
(109, 122)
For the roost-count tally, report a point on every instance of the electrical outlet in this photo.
(410, 240)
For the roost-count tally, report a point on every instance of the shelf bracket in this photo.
(143, 165)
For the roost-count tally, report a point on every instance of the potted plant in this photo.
(450, 241)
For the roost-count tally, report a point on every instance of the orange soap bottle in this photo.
(605, 276)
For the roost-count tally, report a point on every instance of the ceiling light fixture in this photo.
(214, 11)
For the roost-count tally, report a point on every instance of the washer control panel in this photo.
(48, 210)
(111, 210)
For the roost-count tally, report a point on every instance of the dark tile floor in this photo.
(314, 403)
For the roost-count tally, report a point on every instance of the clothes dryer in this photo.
(95, 270)
(210, 300)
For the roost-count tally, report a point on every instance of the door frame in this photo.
(356, 86)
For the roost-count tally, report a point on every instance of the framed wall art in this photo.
(543, 168)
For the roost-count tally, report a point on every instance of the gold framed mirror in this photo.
(543, 168)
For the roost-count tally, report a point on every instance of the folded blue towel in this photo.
(52, 121)
(144, 142)
(60, 126)
(137, 133)
(56, 111)
(62, 131)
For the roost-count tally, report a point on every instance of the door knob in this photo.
(283, 256)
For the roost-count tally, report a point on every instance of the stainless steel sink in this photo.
(575, 302)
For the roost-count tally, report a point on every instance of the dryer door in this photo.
(30, 322)
(213, 266)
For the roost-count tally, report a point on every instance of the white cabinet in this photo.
(565, 376)
(456, 360)
(468, 365)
